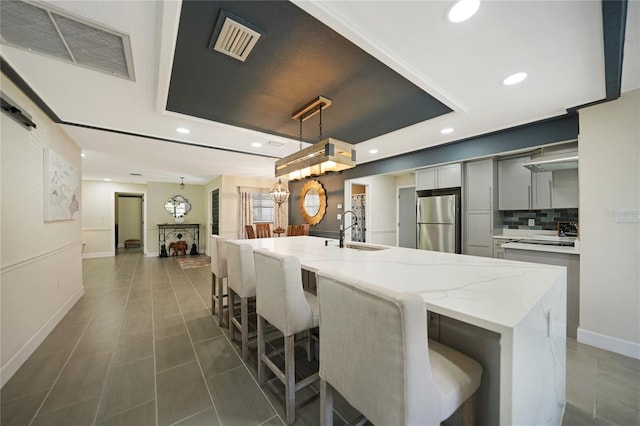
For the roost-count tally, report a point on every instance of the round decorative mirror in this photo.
(313, 202)
(177, 206)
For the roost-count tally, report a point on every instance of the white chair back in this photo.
(374, 352)
(241, 269)
(280, 298)
(218, 250)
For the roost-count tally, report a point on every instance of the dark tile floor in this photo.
(141, 348)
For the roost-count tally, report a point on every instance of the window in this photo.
(263, 208)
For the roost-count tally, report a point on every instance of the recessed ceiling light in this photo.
(256, 144)
(373, 151)
(107, 180)
(183, 130)
(514, 78)
(446, 130)
(83, 154)
(462, 10)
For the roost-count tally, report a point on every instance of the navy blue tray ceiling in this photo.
(296, 59)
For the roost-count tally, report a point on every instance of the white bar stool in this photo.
(282, 302)
(218, 250)
(241, 282)
(376, 353)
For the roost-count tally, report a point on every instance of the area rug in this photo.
(188, 262)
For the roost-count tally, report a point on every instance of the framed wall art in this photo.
(61, 188)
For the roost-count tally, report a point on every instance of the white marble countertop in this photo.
(495, 294)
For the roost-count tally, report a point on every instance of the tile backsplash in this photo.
(545, 219)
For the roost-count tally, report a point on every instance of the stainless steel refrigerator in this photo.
(438, 223)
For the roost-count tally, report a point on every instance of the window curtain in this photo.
(245, 212)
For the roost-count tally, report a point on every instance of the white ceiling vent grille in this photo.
(235, 37)
(40, 28)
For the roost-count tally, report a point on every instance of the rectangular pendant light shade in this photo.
(328, 155)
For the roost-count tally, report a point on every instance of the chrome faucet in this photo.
(342, 228)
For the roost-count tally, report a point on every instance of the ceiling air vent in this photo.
(233, 36)
(43, 29)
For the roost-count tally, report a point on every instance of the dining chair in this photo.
(251, 234)
(376, 354)
(241, 283)
(281, 301)
(304, 229)
(263, 230)
(218, 250)
(291, 229)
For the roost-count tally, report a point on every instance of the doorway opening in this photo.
(359, 207)
(129, 221)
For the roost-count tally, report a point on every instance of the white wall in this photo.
(40, 262)
(98, 216)
(158, 194)
(609, 148)
(381, 207)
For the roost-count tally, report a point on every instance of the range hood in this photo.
(552, 163)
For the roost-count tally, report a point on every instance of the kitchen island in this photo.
(524, 304)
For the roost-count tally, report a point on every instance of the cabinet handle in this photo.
(550, 194)
(529, 195)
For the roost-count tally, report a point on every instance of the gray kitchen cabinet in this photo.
(514, 184)
(498, 251)
(565, 189)
(520, 189)
(541, 184)
(479, 207)
(448, 176)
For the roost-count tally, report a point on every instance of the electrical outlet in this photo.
(339, 206)
(532, 222)
(339, 216)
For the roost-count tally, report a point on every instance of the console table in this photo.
(166, 232)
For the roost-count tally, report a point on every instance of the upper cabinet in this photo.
(514, 184)
(521, 189)
(564, 194)
(448, 176)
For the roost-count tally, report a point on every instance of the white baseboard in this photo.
(16, 361)
(98, 254)
(152, 254)
(608, 343)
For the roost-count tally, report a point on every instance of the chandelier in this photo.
(328, 155)
(279, 192)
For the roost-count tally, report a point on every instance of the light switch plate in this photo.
(339, 216)
(339, 206)
(532, 222)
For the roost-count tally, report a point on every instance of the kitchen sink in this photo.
(363, 247)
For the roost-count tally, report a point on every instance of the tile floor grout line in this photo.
(240, 356)
(193, 347)
(106, 379)
(153, 344)
(35, 415)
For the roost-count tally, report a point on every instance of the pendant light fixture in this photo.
(181, 182)
(328, 155)
(279, 192)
